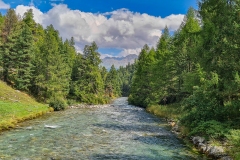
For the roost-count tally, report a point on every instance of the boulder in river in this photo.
(29, 128)
(51, 127)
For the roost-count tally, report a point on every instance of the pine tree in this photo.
(112, 85)
(24, 51)
(53, 78)
(141, 89)
(220, 45)
(125, 75)
(38, 61)
(28, 19)
(88, 86)
(186, 42)
(164, 70)
(10, 22)
(8, 29)
(1, 43)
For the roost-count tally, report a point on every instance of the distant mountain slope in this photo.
(118, 61)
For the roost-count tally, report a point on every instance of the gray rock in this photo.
(226, 158)
(51, 127)
(208, 148)
(197, 140)
(202, 147)
(29, 128)
(216, 151)
(176, 128)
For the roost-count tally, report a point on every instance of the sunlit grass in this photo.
(16, 106)
(173, 111)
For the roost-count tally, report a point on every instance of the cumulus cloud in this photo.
(38, 15)
(106, 55)
(126, 52)
(121, 29)
(4, 5)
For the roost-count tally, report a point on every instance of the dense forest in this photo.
(39, 62)
(198, 68)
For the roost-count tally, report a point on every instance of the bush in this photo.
(57, 104)
(213, 129)
(234, 140)
(71, 102)
(202, 106)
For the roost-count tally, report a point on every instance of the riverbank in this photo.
(214, 148)
(16, 106)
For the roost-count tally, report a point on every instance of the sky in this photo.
(119, 27)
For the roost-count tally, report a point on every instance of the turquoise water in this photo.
(119, 131)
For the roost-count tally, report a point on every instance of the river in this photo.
(117, 131)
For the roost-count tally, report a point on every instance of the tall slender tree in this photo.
(112, 85)
(10, 22)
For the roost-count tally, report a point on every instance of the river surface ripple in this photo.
(119, 131)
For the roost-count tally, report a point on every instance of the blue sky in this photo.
(153, 7)
(120, 27)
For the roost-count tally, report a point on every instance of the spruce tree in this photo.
(186, 44)
(89, 86)
(164, 70)
(220, 45)
(125, 75)
(10, 22)
(7, 32)
(24, 53)
(141, 89)
(53, 78)
(1, 43)
(112, 85)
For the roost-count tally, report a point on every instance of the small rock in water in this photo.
(52, 127)
(29, 128)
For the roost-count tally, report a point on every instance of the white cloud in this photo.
(4, 5)
(38, 15)
(106, 55)
(126, 52)
(120, 29)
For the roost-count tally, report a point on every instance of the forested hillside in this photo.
(198, 66)
(38, 61)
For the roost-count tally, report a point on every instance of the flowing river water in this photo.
(117, 131)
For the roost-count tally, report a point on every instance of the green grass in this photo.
(173, 111)
(16, 106)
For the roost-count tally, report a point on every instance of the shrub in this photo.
(57, 104)
(213, 129)
(234, 140)
(71, 102)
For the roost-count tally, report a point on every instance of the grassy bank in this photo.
(16, 106)
(173, 111)
(230, 135)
